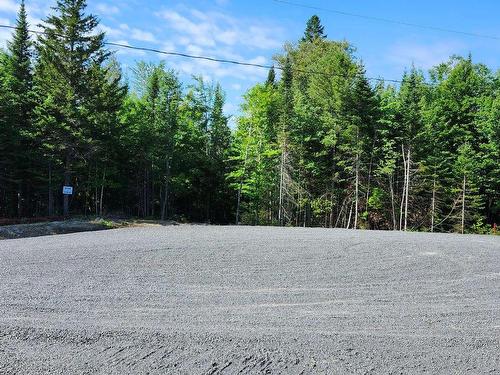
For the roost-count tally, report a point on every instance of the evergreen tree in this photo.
(271, 77)
(312, 149)
(8, 139)
(410, 119)
(314, 30)
(220, 141)
(364, 119)
(68, 79)
(20, 50)
(20, 55)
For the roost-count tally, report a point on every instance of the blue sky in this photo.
(254, 31)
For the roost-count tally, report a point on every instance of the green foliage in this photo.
(347, 143)
(377, 199)
(314, 29)
(327, 148)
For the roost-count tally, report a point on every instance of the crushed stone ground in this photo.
(210, 300)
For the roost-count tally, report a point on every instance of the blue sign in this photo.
(68, 190)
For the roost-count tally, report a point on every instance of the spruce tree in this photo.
(220, 140)
(67, 82)
(20, 50)
(314, 30)
(8, 137)
(20, 54)
(271, 77)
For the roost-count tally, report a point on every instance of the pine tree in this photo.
(314, 30)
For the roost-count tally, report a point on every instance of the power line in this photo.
(235, 62)
(387, 20)
(213, 59)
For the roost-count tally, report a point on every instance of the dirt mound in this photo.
(53, 227)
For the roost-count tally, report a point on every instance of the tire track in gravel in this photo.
(225, 300)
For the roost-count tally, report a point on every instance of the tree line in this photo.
(317, 145)
(151, 148)
(325, 147)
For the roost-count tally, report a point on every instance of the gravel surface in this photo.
(207, 300)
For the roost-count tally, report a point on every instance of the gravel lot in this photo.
(206, 300)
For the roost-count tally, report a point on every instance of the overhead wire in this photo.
(387, 20)
(213, 59)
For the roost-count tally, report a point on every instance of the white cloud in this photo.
(424, 56)
(143, 36)
(168, 46)
(194, 49)
(126, 30)
(209, 29)
(107, 10)
(110, 31)
(220, 70)
(5, 34)
(127, 51)
(8, 6)
(214, 34)
(201, 33)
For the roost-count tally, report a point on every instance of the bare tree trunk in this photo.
(331, 209)
(305, 215)
(404, 191)
(282, 167)
(145, 193)
(102, 192)
(239, 202)
(152, 191)
(19, 198)
(340, 213)
(349, 219)
(370, 166)
(332, 193)
(164, 208)
(433, 205)
(408, 164)
(392, 203)
(270, 208)
(463, 205)
(298, 215)
(240, 188)
(356, 193)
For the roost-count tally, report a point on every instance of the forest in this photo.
(318, 144)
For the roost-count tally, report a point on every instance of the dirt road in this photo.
(206, 299)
